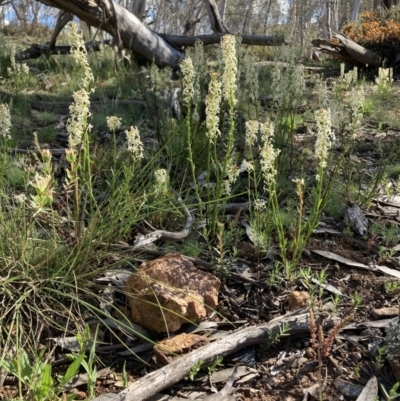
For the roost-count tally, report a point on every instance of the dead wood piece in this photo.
(144, 388)
(255, 40)
(122, 24)
(190, 26)
(167, 235)
(217, 25)
(357, 52)
(370, 391)
(62, 19)
(355, 218)
(35, 51)
(225, 393)
(347, 50)
(328, 44)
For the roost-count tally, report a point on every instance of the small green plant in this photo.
(124, 376)
(356, 300)
(388, 232)
(37, 377)
(15, 177)
(336, 301)
(275, 277)
(45, 117)
(380, 359)
(216, 363)
(223, 247)
(47, 135)
(386, 254)
(394, 171)
(194, 370)
(275, 336)
(392, 287)
(191, 248)
(393, 394)
(84, 341)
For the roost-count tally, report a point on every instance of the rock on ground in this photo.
(169, 291)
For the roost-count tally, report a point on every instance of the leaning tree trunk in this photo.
(347, 50)
(217, 25)
(223, 10)
(62, 19)
(247, 19)
(133, 34)
(356, 9)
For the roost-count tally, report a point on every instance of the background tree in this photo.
(299, 20)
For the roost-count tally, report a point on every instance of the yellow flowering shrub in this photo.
(377, 30)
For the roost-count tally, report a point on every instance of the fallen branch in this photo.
(144, 388)
(347, 50)
(167, 235)
(36, 50)
(125, 28)
(255, 40)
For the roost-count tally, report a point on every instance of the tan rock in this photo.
(298, 300)
(167, 350)
(385, 312)
(169, 291)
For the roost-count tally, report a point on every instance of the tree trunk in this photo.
(347, 50)
(247, 20)
(86, 34)
(329, 18)
(389, 3)
(216, 23)
(222, 11)
(21, 15)
(384, 3)
(133, 34)
(302, 27)
(35, 12)
(335, 16)
(356, 9)
(267, 17)
(293, 19)
(190, 27)
(62, 19)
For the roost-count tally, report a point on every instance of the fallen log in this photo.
(35, 51)
(347, 50)
(254, 40)
(178, 41)
(152, 383)
(128, 31)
